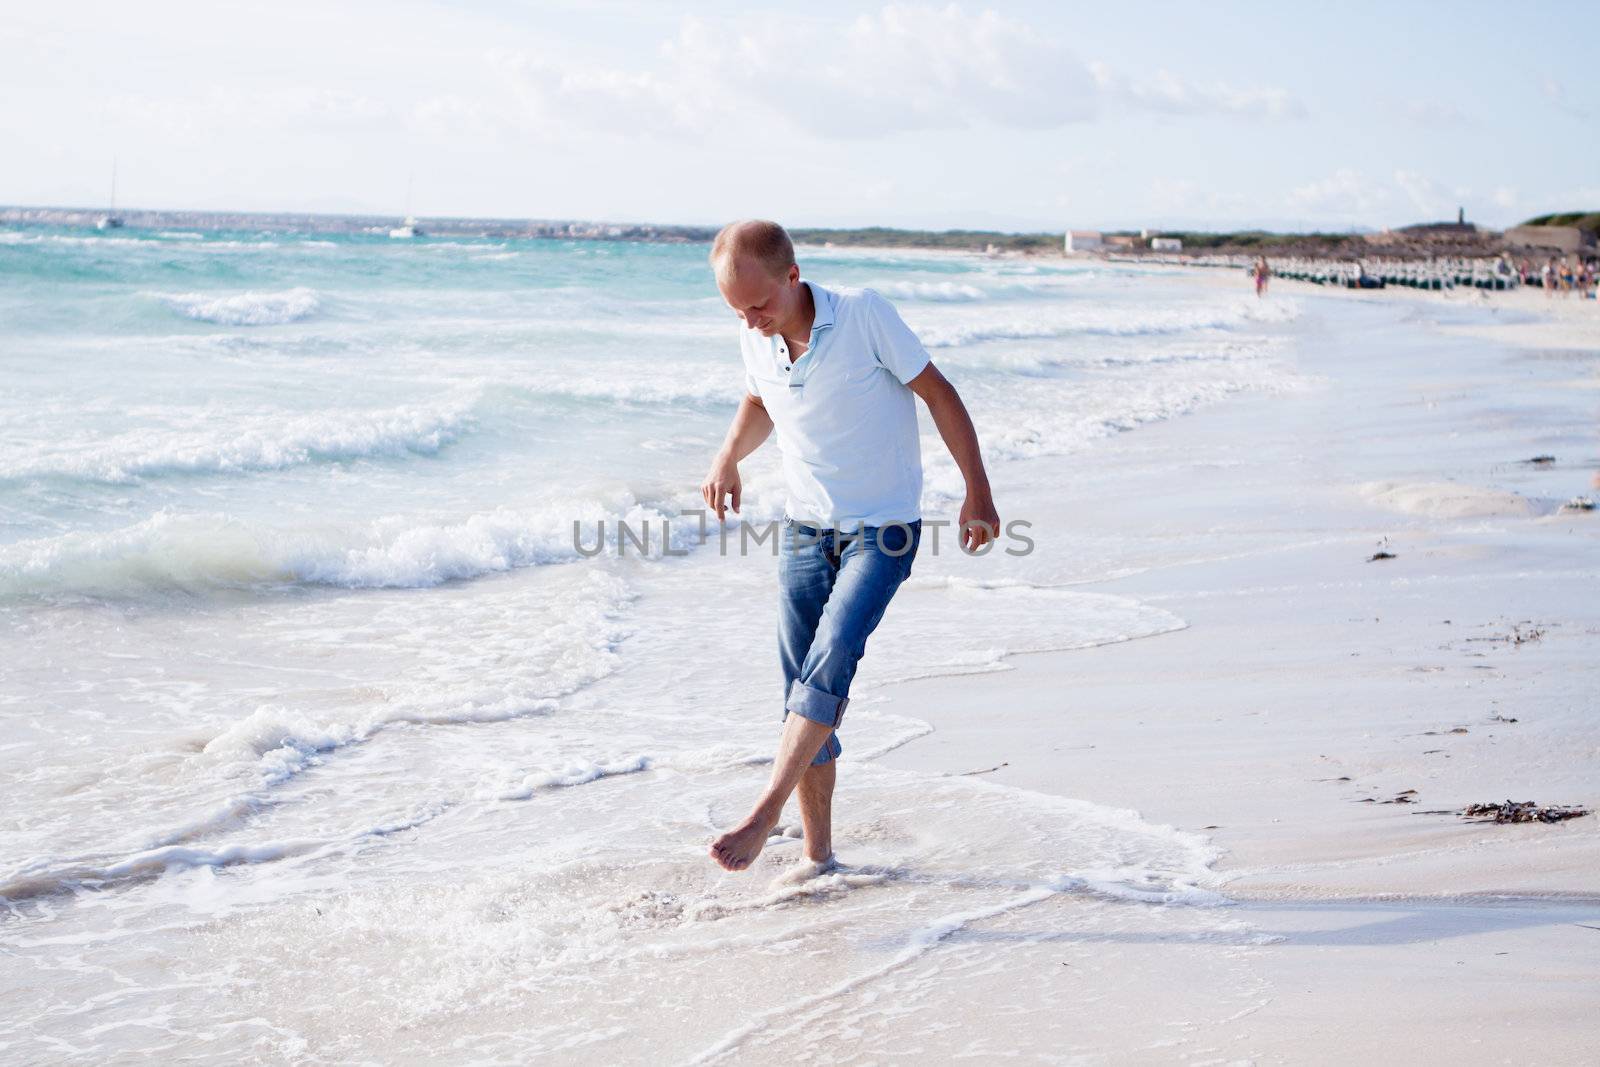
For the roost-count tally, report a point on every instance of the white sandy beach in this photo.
(1312, 687)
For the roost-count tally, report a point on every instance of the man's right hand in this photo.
(721, 483)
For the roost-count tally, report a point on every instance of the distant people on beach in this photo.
(1499, 273)
(1550, 276)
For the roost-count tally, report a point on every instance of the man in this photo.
(836, 372)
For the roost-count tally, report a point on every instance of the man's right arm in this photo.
(751, 426)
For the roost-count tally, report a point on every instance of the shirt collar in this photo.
(823, 300)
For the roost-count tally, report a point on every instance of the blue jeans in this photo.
(834, 587)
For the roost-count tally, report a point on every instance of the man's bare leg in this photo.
(739, 847)
(816, 810)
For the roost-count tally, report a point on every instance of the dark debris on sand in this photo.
(1520, 811)
(1405, 796)
(1517, 636)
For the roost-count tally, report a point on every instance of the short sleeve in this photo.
(750, 386)
(894, 346)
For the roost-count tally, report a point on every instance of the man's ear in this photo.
(794, 275)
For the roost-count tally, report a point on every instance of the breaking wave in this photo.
(193, 553)
(267, 442)
(250, 308)
(945, 330)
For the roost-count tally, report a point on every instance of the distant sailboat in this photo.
(409, 227)
(111, 220)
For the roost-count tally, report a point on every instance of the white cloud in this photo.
(552, 94)
(895, 70)
(1407, 197)
(901, 68)
(898, 69)
(1345, 193)
(1586, 198)
(1173, 194)
(1435, 113)
(1170, 197)
(223, 107)
(930, 66)
(1430, 200)
(1166, 93)
(452, 114)
(1424, 194)
(1556, 92)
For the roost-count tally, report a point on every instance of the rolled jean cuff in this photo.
(811, 703)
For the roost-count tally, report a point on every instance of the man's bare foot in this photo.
(804, 871)
(739, 847)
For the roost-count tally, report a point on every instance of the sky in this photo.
(1015, 116)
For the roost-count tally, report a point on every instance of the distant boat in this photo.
(110, 220)
(408, 228)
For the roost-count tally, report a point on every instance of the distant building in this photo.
(1083, 241)
(1564, 238)
(1166, 244)
(1121, 240)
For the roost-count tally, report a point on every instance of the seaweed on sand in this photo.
(1520, 811)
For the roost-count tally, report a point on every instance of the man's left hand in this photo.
(980, 522)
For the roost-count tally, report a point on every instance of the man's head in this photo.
(757, 275)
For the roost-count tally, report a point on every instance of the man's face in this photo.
(763, 302)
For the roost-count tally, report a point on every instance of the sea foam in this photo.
(251, 308)
(195, 552)
(942, 292)
(952, 328)
(249, 443)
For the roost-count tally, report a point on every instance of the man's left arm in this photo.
(961, 438)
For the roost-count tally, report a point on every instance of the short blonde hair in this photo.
(766, 242)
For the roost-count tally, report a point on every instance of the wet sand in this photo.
(1323, 713)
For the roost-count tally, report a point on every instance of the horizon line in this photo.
(1349, 228)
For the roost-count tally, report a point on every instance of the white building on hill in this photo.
(1083, 241)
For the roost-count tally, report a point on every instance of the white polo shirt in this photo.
(845, 420)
